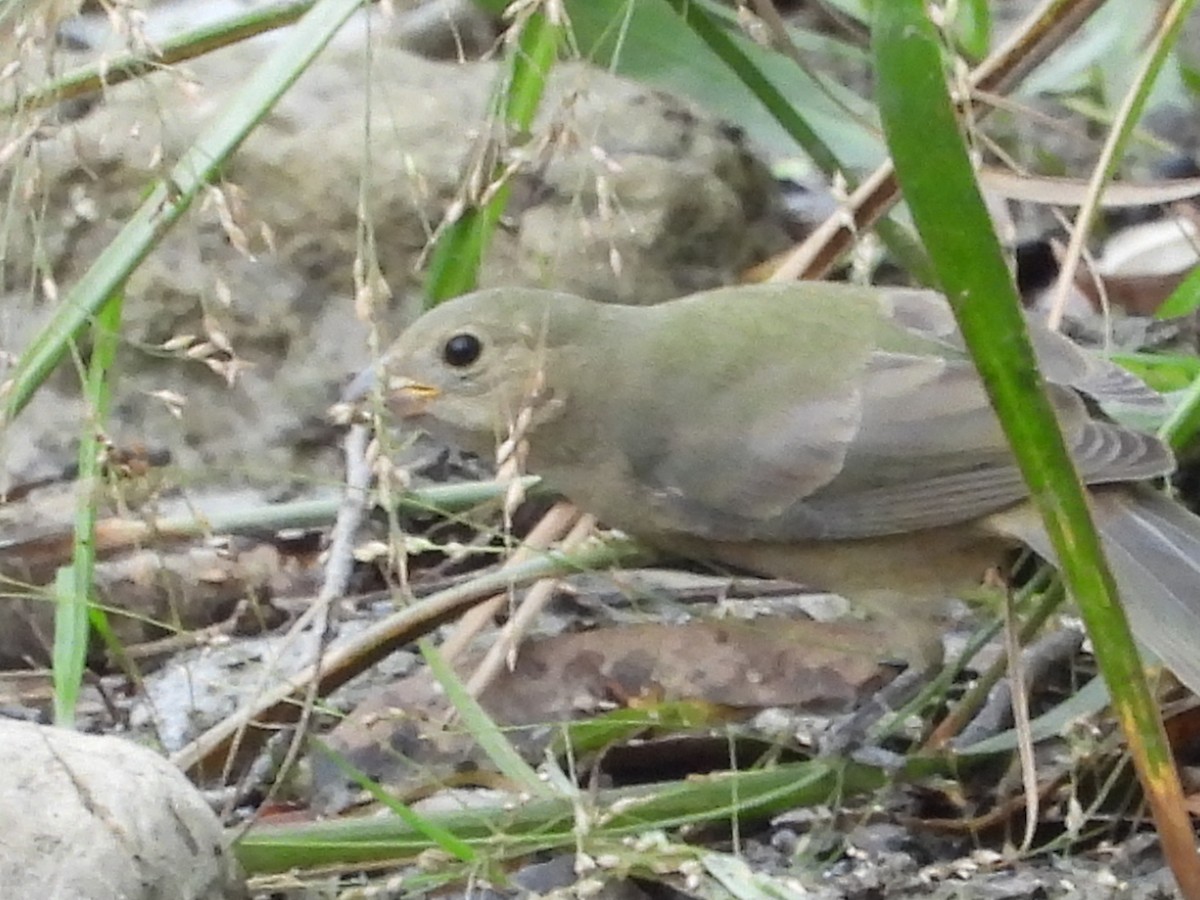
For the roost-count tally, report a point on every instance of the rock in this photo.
(629, 195)
(93, 818)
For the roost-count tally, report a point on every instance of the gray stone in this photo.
(94, 818)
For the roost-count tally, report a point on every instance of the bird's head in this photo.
(467, 370)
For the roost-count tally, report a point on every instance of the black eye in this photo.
(462, 350)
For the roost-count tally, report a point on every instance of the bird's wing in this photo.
(736, 424)
(932, 453)
(902, 440)
(1061, 361)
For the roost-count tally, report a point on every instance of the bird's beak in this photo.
(406, 398)
(403, 396)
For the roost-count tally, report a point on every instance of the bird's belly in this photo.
(904, 578)
(930, 565)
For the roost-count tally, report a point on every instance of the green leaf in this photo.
(649, 41)
(1184, 300)
(973, 28)
(1165, 372)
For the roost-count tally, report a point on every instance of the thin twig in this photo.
(1114, 144)
(1042, 32)
(338, 568)
(280, 704)
(535, 601)
(552, 526)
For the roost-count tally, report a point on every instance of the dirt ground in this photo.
(246, 323)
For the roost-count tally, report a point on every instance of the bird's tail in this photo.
(1153, 548)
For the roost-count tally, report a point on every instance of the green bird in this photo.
(834, 435)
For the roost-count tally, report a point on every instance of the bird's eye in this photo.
(461, 350)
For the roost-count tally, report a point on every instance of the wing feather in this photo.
(901, 439)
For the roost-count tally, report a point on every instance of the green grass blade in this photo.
(746, 61)
(648, 41)
(1119, 133)
(1183, 425)
(437, 835)
(70, 638)
(939, 184)
(171, 197)
(458, 252)
(735, 56)
(504, 831)
(73, 586)
(176, 49)
(483, 728)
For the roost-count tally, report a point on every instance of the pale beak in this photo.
(403, 396)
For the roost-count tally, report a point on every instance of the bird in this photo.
(832, 434)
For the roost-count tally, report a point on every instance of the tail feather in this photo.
(1153, 548)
